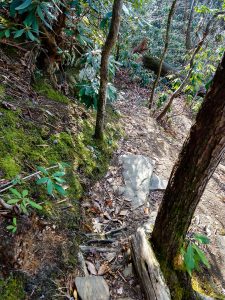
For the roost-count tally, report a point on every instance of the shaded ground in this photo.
(110, 211)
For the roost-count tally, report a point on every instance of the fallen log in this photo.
(152, 63)
(147, 268)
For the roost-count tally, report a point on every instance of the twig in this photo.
(82, 263)
(25, 178)
(6, 205)
(116, 230)
(96, 249)
(106, 241)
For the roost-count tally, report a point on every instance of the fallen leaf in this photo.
(124, 212)
(91, 268)
(146, 210)
(75, 295)
(103, 269)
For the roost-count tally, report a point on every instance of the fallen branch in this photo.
(99, 241)
(11, 184)
(96, 249)
(148, 268)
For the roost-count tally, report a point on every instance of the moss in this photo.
(205, 288)
(45, 89)
(9, 166)
(11, 289)
(2, 91)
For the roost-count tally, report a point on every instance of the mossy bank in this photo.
(43, 132)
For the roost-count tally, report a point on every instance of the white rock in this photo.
(92, 288)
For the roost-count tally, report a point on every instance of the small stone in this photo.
(92, 288)
(157, 183)
(128, 271)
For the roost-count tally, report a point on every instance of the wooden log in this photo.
(152, 63)
(147, 268)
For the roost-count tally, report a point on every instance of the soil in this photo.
(40, 251)
(143, 135)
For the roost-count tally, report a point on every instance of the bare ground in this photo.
(110, 211)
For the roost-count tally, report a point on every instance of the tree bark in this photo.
(197, 161)
(152, 63)
(188, 41)
(107, 48)
(170, 16)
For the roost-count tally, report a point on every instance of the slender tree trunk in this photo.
(188, 41)
(191, 66)
(201, 154)
(170, 16)
(107, 48)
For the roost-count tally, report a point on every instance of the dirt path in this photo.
(110, 211)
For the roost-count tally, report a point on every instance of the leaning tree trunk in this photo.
(104, 76)
(170, 16)
(152, 63)
(197, 161)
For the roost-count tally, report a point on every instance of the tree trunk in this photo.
(152, 63)
(197, 161)
(191, 66)
(107, 48)
(170, 16)
(188, 41)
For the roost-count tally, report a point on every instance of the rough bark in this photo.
(188, 41)
(152, 63)
(170, 16)
(197, 161)
(107, 48)
(148, 268)
(191, 67)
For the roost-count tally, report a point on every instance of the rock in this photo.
(148, 226)
(137, 172)
(128, 271)
(92, 288)
(157, 183)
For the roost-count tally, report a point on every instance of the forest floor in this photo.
(110, 211)
(44, 250)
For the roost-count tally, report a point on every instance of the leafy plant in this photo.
(162, 98)
(13, 226)
(193, 255)
(53, 182)
(22, 200)
(89, 79)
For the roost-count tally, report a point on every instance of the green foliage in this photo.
(162, 98)
(89, 79)
(22, 200)
(193, 255)
(13, 226)
(54, 181)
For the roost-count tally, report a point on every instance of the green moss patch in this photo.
(11, 289)
(45, 89)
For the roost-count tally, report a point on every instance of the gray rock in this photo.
(128, 271)
(92, 288)
(157, 183)
(137, 172)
